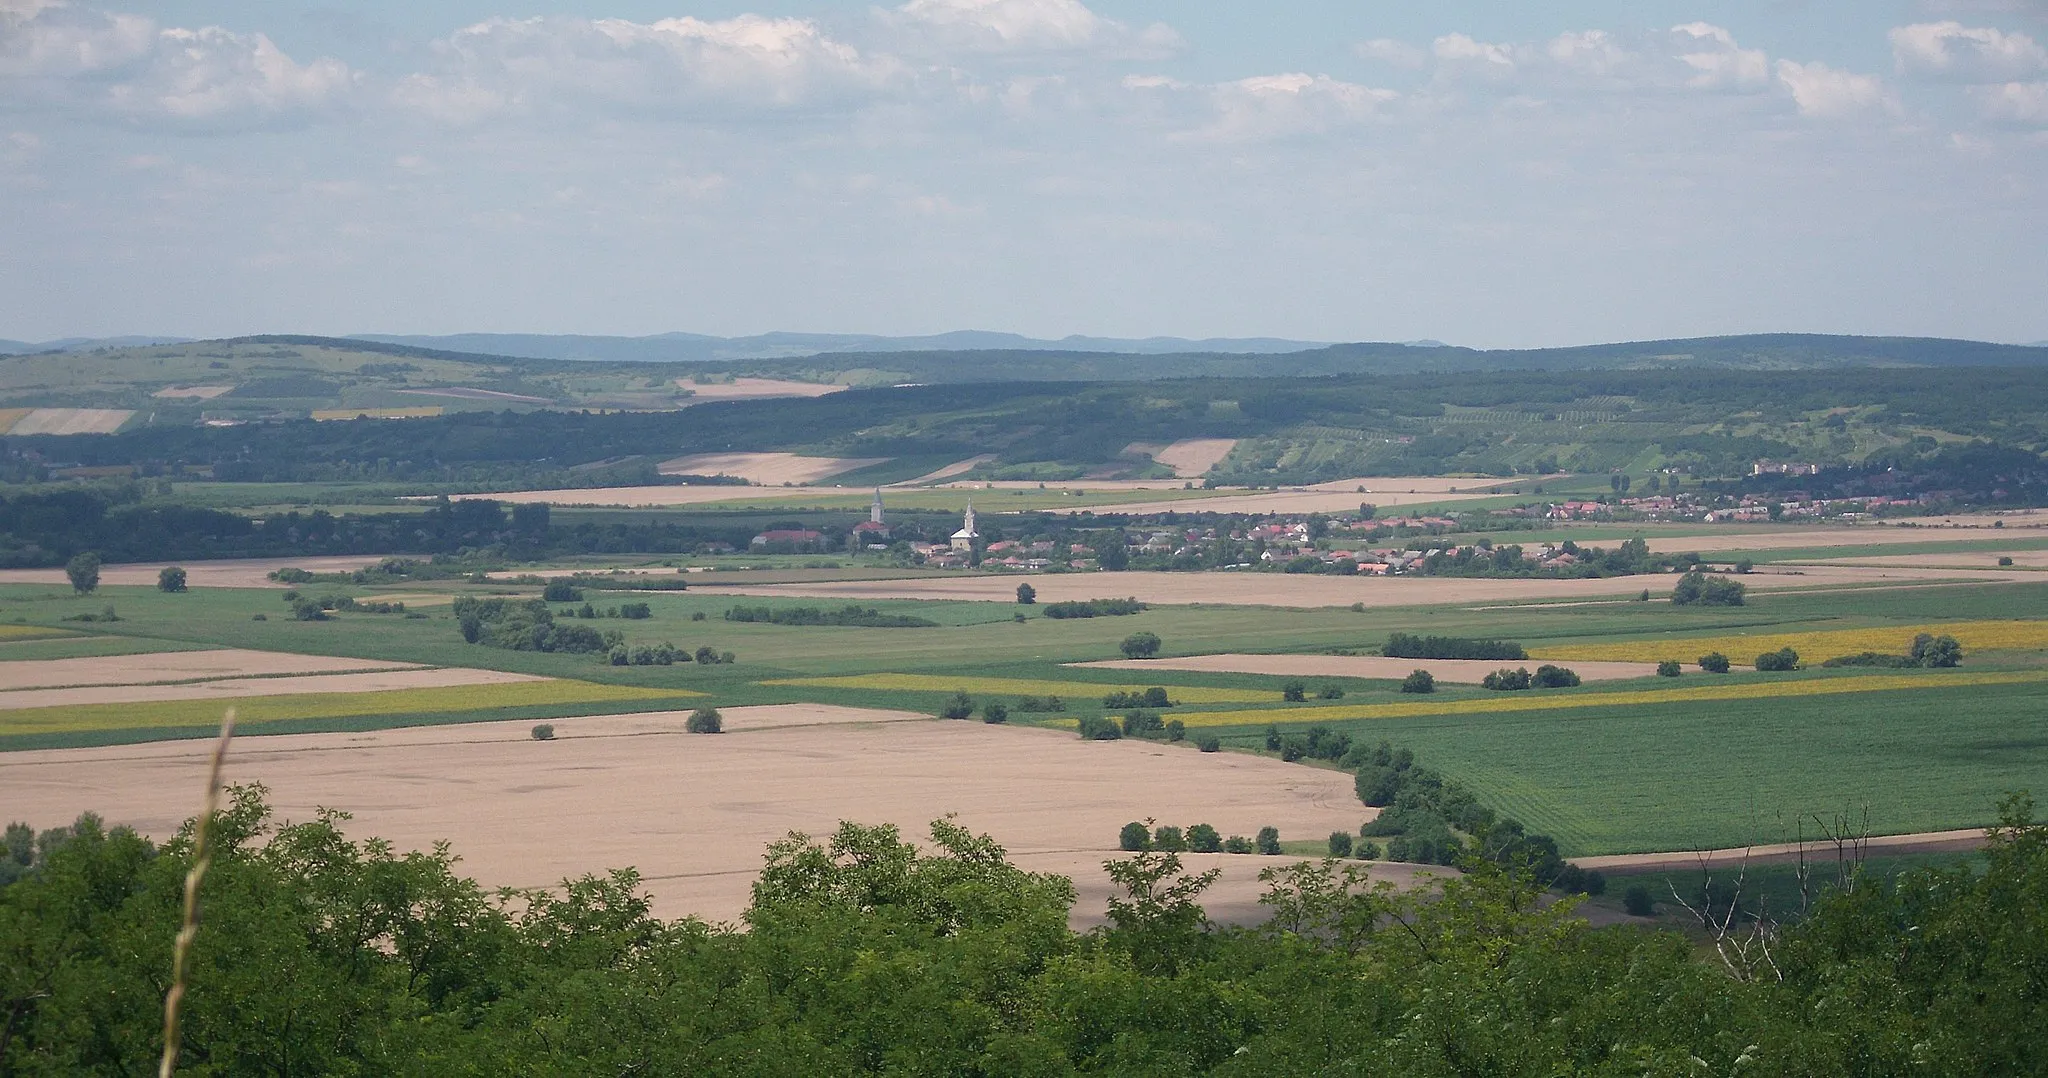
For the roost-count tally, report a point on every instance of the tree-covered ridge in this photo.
(1291, 429)
(320, 954)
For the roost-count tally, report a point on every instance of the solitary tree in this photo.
(705, 720)
(1140, 645)
(84, 571)
(1203, 838)
(1026, 595)
(1937, 651)
(1340, 844)
(1135, 838)
(1294, 692)
(1269, 841)
(1419, 681)
(171, 580)
(1714, 662)
(1668, 668)
(994, 713)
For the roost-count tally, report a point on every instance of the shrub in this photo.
(707, 655)
(561, 591)
(83, 570)
(2004, 560)
(1142, 724)
(1643, 596)
(1330, 692)
(1153, 697)
(1668, 668)
(1696, 588)
(1026, 595)
(1409, 646)
(1209, 743)
(1366, 851)
(1049, 703)
(1094, 608)
(1506, 680)
(1294, 692)
(1097, 728)
(961, 706)
(1554, 677)
(1176, 730)
(260, 617)
(1169, 839)
(1936, 651)
(994, 713)
(1268, 841)
(171, 580)
(728, 658)
(544, 732)
(1237, 844)
(1637, 901)
(1714, 662)
(1419, 681)
(1203, 838)
(1272, 738)
(1141, 645)
(1778, 661)
(1340, 844)
(1293, 747)
(705, 720)
(1135, 838)
(635, 611)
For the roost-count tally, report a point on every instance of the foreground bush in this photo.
(864, 953)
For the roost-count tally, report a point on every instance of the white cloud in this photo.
(1970, 54)
(1588, 52)
(126, 65)
(1274, 106)
(1460, 48)
(672, 65)
(1030, 25)
(2023, 103)
(1823, 92)
(1386, 50)
(1717, 62)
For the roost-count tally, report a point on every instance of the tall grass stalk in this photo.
(188, 929)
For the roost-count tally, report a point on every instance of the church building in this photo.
(964, 539)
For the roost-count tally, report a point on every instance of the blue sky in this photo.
(1491, 174)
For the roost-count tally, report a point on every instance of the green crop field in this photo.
(1614, 767)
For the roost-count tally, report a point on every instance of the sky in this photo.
(1490, 174)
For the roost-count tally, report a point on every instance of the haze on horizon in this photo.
(1492, 175)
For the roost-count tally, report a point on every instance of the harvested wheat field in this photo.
(226, 573)
(1312, 500)
(175, 666)
(958, 467)
(2021, 559)
(71, 421)
(388, 680)
(1457, 671)
(204, 393)
(1192, 457)
(1305, 590)
(767, 469)
(748, 389)
(1827, 535)
(694, 812)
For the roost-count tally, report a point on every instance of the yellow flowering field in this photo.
(1539, 701)
(1076, 690)
(1813, 647)
(252, 710)
(31, 632)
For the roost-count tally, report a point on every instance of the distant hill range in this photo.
(83, 344)
(697, 347)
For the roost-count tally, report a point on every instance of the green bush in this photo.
(1294, 692)
(1237, 844)
(1140, 645)
(1554, 677)
(1696, 588)
(1714, 662)
(1506, 680)
(1203, 838)
(1268, 841)
(1669, 668)
(1419, 681)
(1169, 839)
(1142, 724)
(1135, 838)
(1097, 728)
(1330, 692)
(1176, 730)
(1637, 901)
(1340, 844)
(705, 720)
(561, 591)
(544, 732)
(1936, 651)
(1778, 661)
(171, 580)
(961, 706)
(1209, 743)
(994, 713)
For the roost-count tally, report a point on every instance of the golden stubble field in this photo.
(1456, 671)
(695, 812)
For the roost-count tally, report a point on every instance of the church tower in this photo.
(875, 510)
(963, 540)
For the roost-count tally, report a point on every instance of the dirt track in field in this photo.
(229, 573)
(695, 812)
(1305, 590)
(174, 666)
(231, 688)
(766, 469)
(748, 389)
(1781, 852)
(1456, 671)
